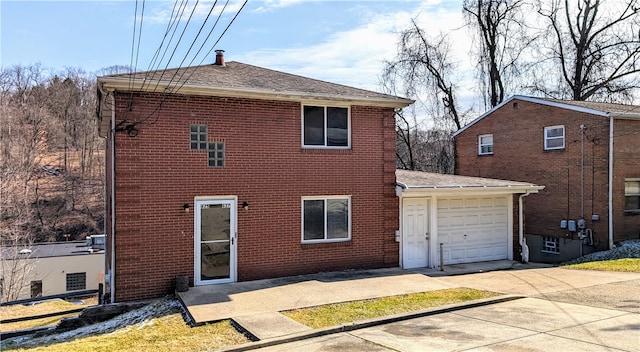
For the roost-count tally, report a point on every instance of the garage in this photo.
(453, 219)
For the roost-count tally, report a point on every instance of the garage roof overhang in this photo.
(425, 184)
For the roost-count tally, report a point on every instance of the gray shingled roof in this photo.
(601, 109)
(418, 179)
(244, 77)
(609, 108)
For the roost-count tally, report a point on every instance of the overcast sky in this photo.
(338, 41)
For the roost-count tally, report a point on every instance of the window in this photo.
(36, 288)
(325, 127)
(550, 244)
(632, 195)
(485, 144)
(554, 137)
(76, 281)
(198, 137)
(326, 219)
(216, 154)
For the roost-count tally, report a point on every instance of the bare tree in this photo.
(595, 49)
(16, 260)
(500, 33)
(424, 64)
(50, 160)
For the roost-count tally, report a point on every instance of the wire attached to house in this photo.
(213, 46)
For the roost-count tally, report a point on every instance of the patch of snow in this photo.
(142, 316)
(625, 249)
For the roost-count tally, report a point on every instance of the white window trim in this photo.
(480, 145)
(325, 106)
(630, 195)
(564, 137)
(348, 198)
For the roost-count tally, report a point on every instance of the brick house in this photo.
(586, 155)
(231, 172)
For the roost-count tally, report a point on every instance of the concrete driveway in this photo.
(561, 310)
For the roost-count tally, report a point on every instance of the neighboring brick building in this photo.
(231, 172)
(574, 149)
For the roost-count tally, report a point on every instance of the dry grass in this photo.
(347, 312)
(19, 311)
(624, 265)
(167, 333)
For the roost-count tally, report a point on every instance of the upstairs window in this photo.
(198, 137)
(216, 154)
(485, 144)
(326, 219)
(554, 137)
(325, 126)
(632, 195)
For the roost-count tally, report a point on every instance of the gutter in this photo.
(524, 253)
(610, 205)
(112, 124)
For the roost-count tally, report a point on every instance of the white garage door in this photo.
(473, 229)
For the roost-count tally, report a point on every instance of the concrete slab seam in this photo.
(369, 323)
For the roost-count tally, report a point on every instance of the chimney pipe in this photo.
(220, 57)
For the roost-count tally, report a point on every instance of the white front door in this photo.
(415, 233)
(215, 241)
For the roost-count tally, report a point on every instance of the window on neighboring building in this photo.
(216, 154)
(326, 219)
(485, 144)
(36, 288)
(554, 137)
(198, 137)
(76, 281)
(632, 194)
(550, 244)
(325, 126)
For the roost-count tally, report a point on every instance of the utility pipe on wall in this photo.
(524, 252)
(112, 126)
(610, 182)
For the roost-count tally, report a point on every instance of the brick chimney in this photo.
(219, 57)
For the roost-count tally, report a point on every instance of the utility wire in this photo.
(183, 6)
(159, 106)
(133, 44)
(203, 44)
(172, 21)
(213, 46)
(195, 40)
(135, 68)
(186, 25)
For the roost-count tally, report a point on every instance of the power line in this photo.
(177, 43)
(178, 87)
(213, 46)
(195, 40)
(176, 20)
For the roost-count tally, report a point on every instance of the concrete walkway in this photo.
(255, 305)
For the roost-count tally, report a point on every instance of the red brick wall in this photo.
(156, 173)
(626, 164)
(519, 155)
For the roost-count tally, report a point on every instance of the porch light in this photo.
(245, 205)
(185, 207)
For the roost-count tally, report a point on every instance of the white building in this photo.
(44, 269)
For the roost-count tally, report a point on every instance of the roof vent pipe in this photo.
(220, 57)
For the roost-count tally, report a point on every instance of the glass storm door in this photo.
(215, 229)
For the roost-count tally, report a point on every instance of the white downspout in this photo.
(112, 125)
(524, 253)
(610, 182)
